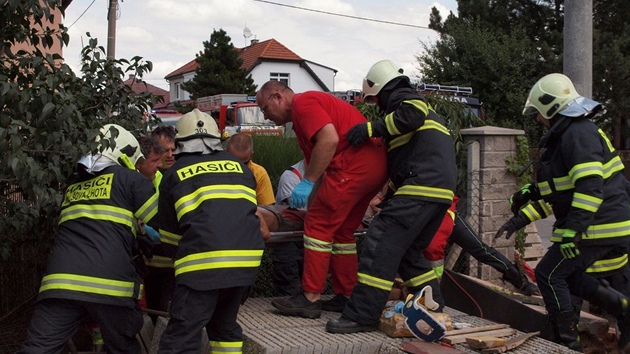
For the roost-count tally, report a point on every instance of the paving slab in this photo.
(269, 332)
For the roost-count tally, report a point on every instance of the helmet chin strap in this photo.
(126, 162)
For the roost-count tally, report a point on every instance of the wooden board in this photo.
(476, 329)
(422, 347)
(512, 343)
(461, 338)
(486, 303)
(485, 342)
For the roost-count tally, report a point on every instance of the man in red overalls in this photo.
(339, 182)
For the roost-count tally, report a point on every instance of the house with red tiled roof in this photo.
(138, 86)
(266, 60)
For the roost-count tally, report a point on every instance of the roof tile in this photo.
(270, 49)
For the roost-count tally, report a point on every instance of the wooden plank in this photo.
(476, 329)
(461, 338)
(511, 343)
(483, 342)
(422, 347)
(145, 336)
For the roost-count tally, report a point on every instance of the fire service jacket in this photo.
(420, 151)
(582, 177)
(207, 219)
(91, 258)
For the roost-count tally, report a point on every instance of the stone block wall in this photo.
(489, 188)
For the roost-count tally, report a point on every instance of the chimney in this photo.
(254, 41)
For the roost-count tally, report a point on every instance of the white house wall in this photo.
(326, 74)
(299, 79)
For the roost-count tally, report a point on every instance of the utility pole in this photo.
(578, 44)
(111, 29)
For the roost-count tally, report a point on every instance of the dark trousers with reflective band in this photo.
(55, 321)
(393, 244)
(159, 286)
(558, 277)
(288, 261)
(470, 242)
(192, 310)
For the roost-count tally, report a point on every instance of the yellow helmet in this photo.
(125, 151)
(379, 75)
(550, 95)
(196, 124)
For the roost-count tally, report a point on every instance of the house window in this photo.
(177, 87)
(282, 77)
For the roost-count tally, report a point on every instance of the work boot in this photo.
(336, 304)
(565, 327)
(298, 305)
(613, 302)
(346, 325)
(516, 277)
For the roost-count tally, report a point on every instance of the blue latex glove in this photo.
(153, 235)
(568, 248)
(300, 193)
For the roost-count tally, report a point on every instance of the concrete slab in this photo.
(269, 332)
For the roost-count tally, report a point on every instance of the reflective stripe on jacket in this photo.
(581, 176)
(421, 155)
(208, 223)
(91, 257)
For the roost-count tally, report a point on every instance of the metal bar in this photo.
(291, 236)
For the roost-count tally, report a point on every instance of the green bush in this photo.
(276, 154)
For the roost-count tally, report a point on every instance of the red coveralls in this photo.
(353, 177)
(435, 250)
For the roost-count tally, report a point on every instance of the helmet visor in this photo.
(529, 110)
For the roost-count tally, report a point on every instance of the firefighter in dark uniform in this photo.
(90, 273)
(612, 268)
(581, 176)
(422, 172)
(207, 219)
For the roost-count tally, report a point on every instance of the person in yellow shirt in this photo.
(242, 146)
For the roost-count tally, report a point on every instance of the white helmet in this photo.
(550, 95)
(196, 124)
(125, 151)
(379, 75)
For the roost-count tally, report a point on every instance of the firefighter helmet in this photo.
(379, 75)
(196, 124)
(550, 95)
(125, 151)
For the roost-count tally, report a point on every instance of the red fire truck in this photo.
(238, 113)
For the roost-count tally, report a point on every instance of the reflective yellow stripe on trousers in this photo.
(87, 284)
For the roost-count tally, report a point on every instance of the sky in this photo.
(169, 33)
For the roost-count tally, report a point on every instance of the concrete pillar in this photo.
(489, 187)
(578, 44)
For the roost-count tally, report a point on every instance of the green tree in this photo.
(502, 47)
(49, 117)
(611, 67)
(499, 48)
(219, 69)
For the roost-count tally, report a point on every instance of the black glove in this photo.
(359, 133)
(511, 226)
(521, 197)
